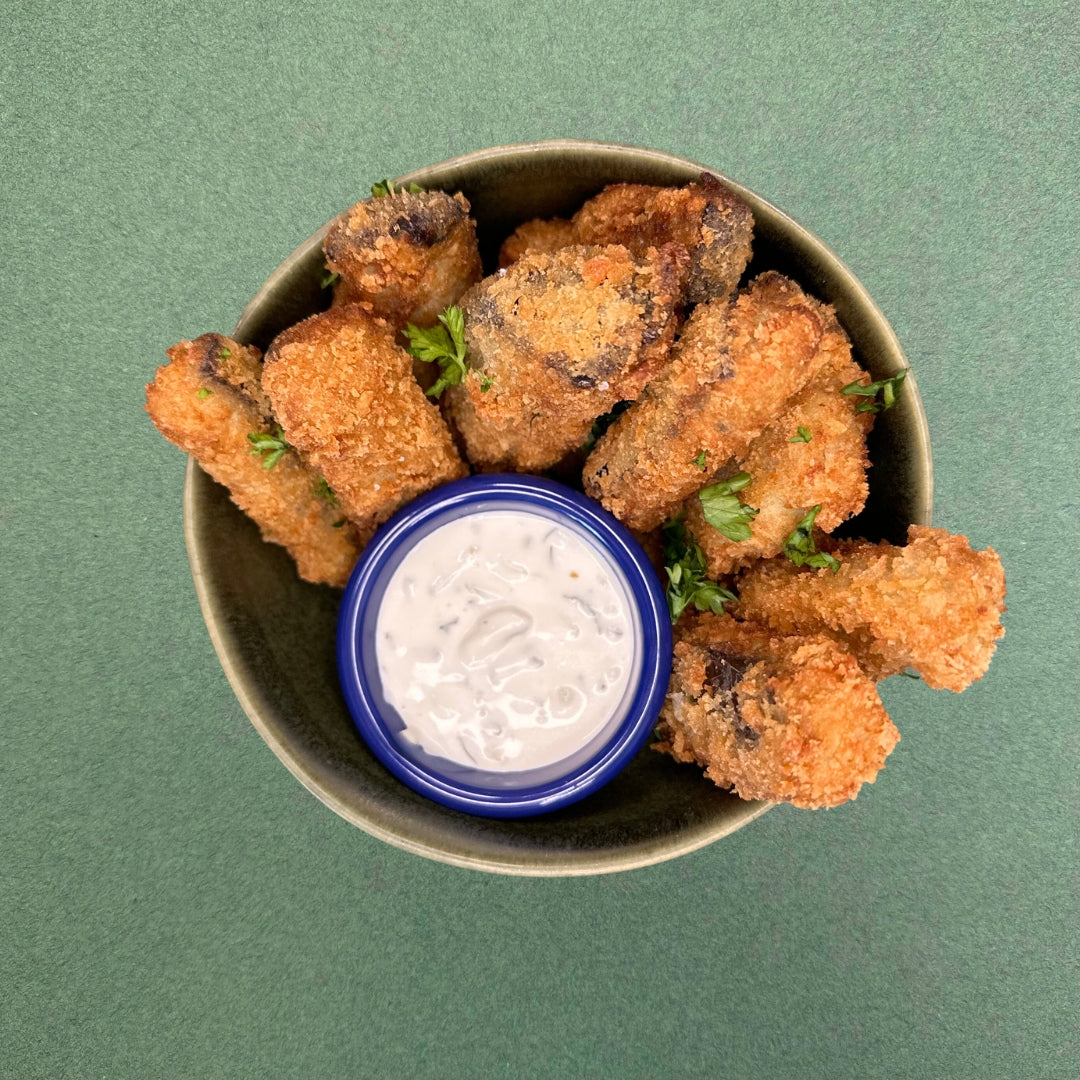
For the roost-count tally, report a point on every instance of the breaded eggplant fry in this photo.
(555, 341)
(934, 606)
(536, 235)
(713, 223)
(787, 719)
(732, 372)
(409, 255)
(344, 393)
(824, 466)
(207, 401)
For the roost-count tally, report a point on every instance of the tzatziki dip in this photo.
(506, 642)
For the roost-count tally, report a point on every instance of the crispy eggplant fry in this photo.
(409, 255)
(536, 235)
(732, 372)
(207, 401)
(788, 719)
(713, 223)
(933, 606)
(824, 466)
(343, 391)
(555, 341)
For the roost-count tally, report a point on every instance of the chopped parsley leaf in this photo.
(685, 566)
(330, 279)
(803, 435)
(800, 548)
(887, 388)
(386, 187)
(699, 461)
(323, 491)
(203, 393)
(724, 512)
(443, 345)
(272, 446)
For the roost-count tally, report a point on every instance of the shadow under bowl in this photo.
(275, 634)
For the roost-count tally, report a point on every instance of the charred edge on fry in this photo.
(424, 220)
(722, 675)
(212, 366)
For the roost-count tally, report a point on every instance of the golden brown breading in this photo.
(207, 401)
(788, 719)
(409, 255)
(343, 391)
(713, 223)
(732, 372)
(557, 339)
(536, 235)
(934, 606)
(789, 478)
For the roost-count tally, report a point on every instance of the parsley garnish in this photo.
(330, 279)
(803, 436)
(224, 353)
(686, 569)
(323, 490)
(273, 446)
(799, 547)
(203, 393)
(724, 512)
(699, 461)
(485, 383)
(386, 187)
(338, 524)
(888, 388)
(443, 345)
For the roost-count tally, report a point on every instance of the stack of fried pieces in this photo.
(632, 307)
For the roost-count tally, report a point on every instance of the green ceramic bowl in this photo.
(274, 634)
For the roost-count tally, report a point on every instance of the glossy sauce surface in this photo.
(505, 641)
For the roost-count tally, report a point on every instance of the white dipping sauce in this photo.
(505, 641)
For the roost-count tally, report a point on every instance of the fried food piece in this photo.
(732, 372)
(207, 400)
(555, 341)
(789, 478)
(343, 391)
(536, 235)
(791, 719)
(934, 606)
(409, 255)
(713, 223)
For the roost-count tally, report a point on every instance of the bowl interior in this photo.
(275, 635)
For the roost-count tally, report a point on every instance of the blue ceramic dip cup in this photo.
(505, 792)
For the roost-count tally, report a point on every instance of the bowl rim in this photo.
(602, 533)
(572, 864)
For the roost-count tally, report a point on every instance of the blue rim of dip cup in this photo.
(358, 667)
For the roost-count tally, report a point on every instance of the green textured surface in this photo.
(174, 904)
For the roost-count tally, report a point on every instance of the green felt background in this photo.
(173, 903)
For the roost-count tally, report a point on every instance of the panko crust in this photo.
(214, 427)
(344, 393)
(536, 235)
(409, 255)
(732, 372)
(934, 605)
(789, 478)
(555, 341)
(788, 719)
(713, 223)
